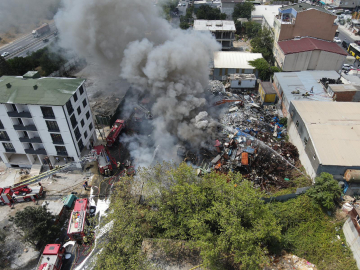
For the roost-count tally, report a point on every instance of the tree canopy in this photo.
(265, 70)
(37, 225)
(227, 221)
(263, 43)
(206, 12)
(325, 191)
(252, 29)
(243, 10)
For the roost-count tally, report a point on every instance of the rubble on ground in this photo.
(251, 141)
(216, 87)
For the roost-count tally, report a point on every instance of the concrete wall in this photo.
(244, 84)
(312, 60)
(228, 9)
(352, 239)
(350, 96)
(310, 23)
(219, 72)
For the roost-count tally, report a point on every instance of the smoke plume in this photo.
(18, 13)
(130, 39)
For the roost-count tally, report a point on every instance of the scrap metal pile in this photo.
(251, 141)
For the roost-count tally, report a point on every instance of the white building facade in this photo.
(44, 120)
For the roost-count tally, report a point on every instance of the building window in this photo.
(81, 90)
(9, 147)
(85, 134)
(84, 103)
(73, 121)
(81, 145)
(4, 135)
(69, 107)
(61, 150)
(297, 123)
(292, 113)
(56, 138)
(47, 112)
(305, 141)
(82, 123)
(314, 156)
(1, 125)
(79, 110)
(52, 126)
(90, 126)
(87, 115)
(77, 133)
(75, 97)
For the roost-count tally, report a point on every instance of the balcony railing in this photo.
(58, 142)
(10, 150)
(53, 129)
(62, 153)
(2, 126)
(4, 139)
(39, 151)
(28, 127)
(30, 140)
(19, 114)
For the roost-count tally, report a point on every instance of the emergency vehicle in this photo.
(51, 258)
(115, 131)
(21, 193)
(105, 161)
(78, 220)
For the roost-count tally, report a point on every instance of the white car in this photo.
(347, 67)
(5, 54)
(337, 40)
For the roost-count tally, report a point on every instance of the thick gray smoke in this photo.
(130, 38)
(17, 13)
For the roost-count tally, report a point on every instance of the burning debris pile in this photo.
(216, 87)
(251, 141)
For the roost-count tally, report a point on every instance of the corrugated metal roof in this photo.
(214, 25)
(304, 81)
(268, 87)
(309, 44)
(334, 128)
(235, 59)
(49, 91)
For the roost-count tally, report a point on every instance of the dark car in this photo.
(45, 40)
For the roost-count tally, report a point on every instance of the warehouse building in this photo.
(43, 119)
(227, 63)
(327, 136)
(309, 54)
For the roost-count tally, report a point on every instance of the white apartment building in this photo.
(223, 31)
(43, 119)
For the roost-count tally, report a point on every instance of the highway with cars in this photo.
(27, 44)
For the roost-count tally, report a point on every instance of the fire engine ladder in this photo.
(46, 174)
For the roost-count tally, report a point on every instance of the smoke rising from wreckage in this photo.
(129, 39)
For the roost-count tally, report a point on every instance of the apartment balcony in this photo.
(64, 153)
(12, 150)
(32, 151)
(49, 116)
(4, 139)
(2, 126)
(26, 128)
(30, 140)
(19, 114)
(58, 142)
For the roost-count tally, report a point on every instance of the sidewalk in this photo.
(345, 29)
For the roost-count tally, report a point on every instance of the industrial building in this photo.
(265, 15)
(227, 63)
(304, 20)
(344, 92)
(223, 31)
(42, 119)
(211, 3)
(308, 54)
(303, 85)
(327, 136)
(227, 7)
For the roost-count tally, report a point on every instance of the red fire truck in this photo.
(21, 193)
(51, 258)
(115, 131)
(78, 220)
(104, 159)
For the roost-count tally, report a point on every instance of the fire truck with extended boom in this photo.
(115, 131)
(22, 193)
(51, 258)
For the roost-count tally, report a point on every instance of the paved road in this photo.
(17, 47)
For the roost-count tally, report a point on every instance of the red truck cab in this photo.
(52, 257)
(115, 131)
(78, 220)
